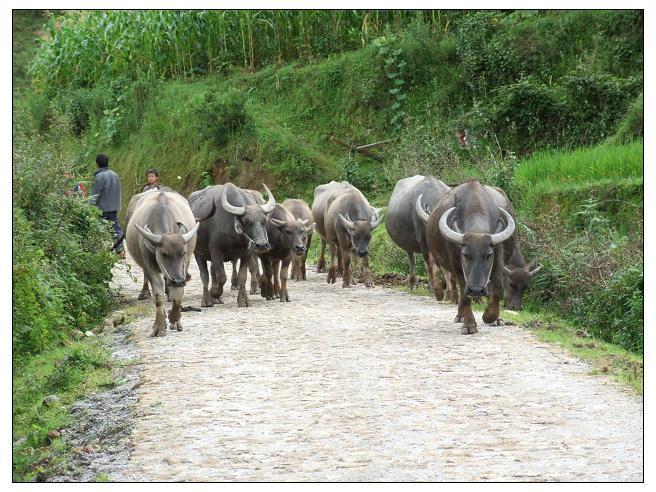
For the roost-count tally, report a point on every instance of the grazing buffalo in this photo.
(348, 224)
(286, 234)
(517, 272)
(300, 209)
(407, 229)
(232, 227)
(161, 235)
(465, 234)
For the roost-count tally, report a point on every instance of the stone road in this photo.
(368, 384)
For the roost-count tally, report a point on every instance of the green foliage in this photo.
(631, 126)
(61, 259)
(220, 116)
(67, 372)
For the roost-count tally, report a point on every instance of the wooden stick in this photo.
(355, 149)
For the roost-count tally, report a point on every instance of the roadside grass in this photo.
(70, 373)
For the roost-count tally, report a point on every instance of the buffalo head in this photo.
(170, 251)
(250, 220)
(293, 233)
(515, 281)
(360, 232)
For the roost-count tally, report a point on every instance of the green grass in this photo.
(547, 172)
(69, 372)
(606, 358)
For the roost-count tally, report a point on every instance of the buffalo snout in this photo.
(476, 291)
(362, 254)
(299, 249)
(178, 282)
(261, 247)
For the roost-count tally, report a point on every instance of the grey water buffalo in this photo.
(286, 234)
(253, 266)
(300, 209)
(465, 234)
(161, 236)
(408, 230)
(348, 224)
(517, 273)
(232, 227)
(323, 197)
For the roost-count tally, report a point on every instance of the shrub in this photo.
(632, 125)
(220, 116)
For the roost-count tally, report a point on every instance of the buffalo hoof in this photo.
(145, 294)
(269, 298)
(284, 298)
(242, 299)
(346, 285)
(469, 329)
(369, 284)
(175, 326)
(332, 278)
(491, 317)
(412, 283)
(214, 292)
(158, 331)
(206, 304)
(458, 319)
(233, 287)
(497, 322)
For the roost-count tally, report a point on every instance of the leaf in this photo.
(399, 81)
(401, 97)
(396, 105)
(393, 91)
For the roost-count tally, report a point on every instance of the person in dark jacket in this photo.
(153, 180)
(106, 195)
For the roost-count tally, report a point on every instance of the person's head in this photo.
(102, 160)
(153, 176)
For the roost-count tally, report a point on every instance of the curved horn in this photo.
(507, 232)
(375, 213)
(507, 270)
(271, 202)
(347, 223)
(374, 223)
(534, 271)
(420, 210)
(302, 221)
(156, 239)
(447, 232)
(277, 223)
(188, 236)
(230, 208)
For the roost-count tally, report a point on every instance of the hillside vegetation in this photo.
(548, 105)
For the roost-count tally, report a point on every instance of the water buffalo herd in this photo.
(466, 234)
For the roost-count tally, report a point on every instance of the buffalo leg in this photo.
(347, 275)
(205, 278)
(491, 314)
(233, 277)
(465, 313)
(412, 279)
(302, 263)
(296, 268)
(219, 277)
(368, 281)
(321, 265)
(174, 314)
(254, 269)
(284, 268)
(276, 278)
(242, 296)
(437, 284)
(332, 270)
(266, 284)
(159, 327)
(340, 263)
(145, 292)
(451, 286)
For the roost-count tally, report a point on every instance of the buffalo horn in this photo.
(239, 211)
(156, 239)
(378, 219)
(507, 232)
(420, 210)
(447, 232)
(271, 202)
(347, 223)
(187, 236)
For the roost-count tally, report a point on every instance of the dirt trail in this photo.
(367, 384)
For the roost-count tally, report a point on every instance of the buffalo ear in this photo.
(532, 264)
(238, 227)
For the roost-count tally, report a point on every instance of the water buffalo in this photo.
(465, 234)
(161, 235)
(517, 272)
(233, 227)
(286, 234)
(407, 229)
(348, 224)
(300, 209)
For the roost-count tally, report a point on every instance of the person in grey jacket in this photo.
(106, 195)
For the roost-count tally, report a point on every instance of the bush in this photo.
(220, 116)
(632, 126)
(61, 258)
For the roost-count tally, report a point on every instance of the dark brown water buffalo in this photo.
(407, 229)
(161, 236)
(348, 224)
(300, 209)
(232, 227)
(465, 235)
(286, 234)
(517, 273)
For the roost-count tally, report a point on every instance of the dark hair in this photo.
(152, 170)
(102, 160)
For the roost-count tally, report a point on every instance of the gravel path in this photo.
(367, 384)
